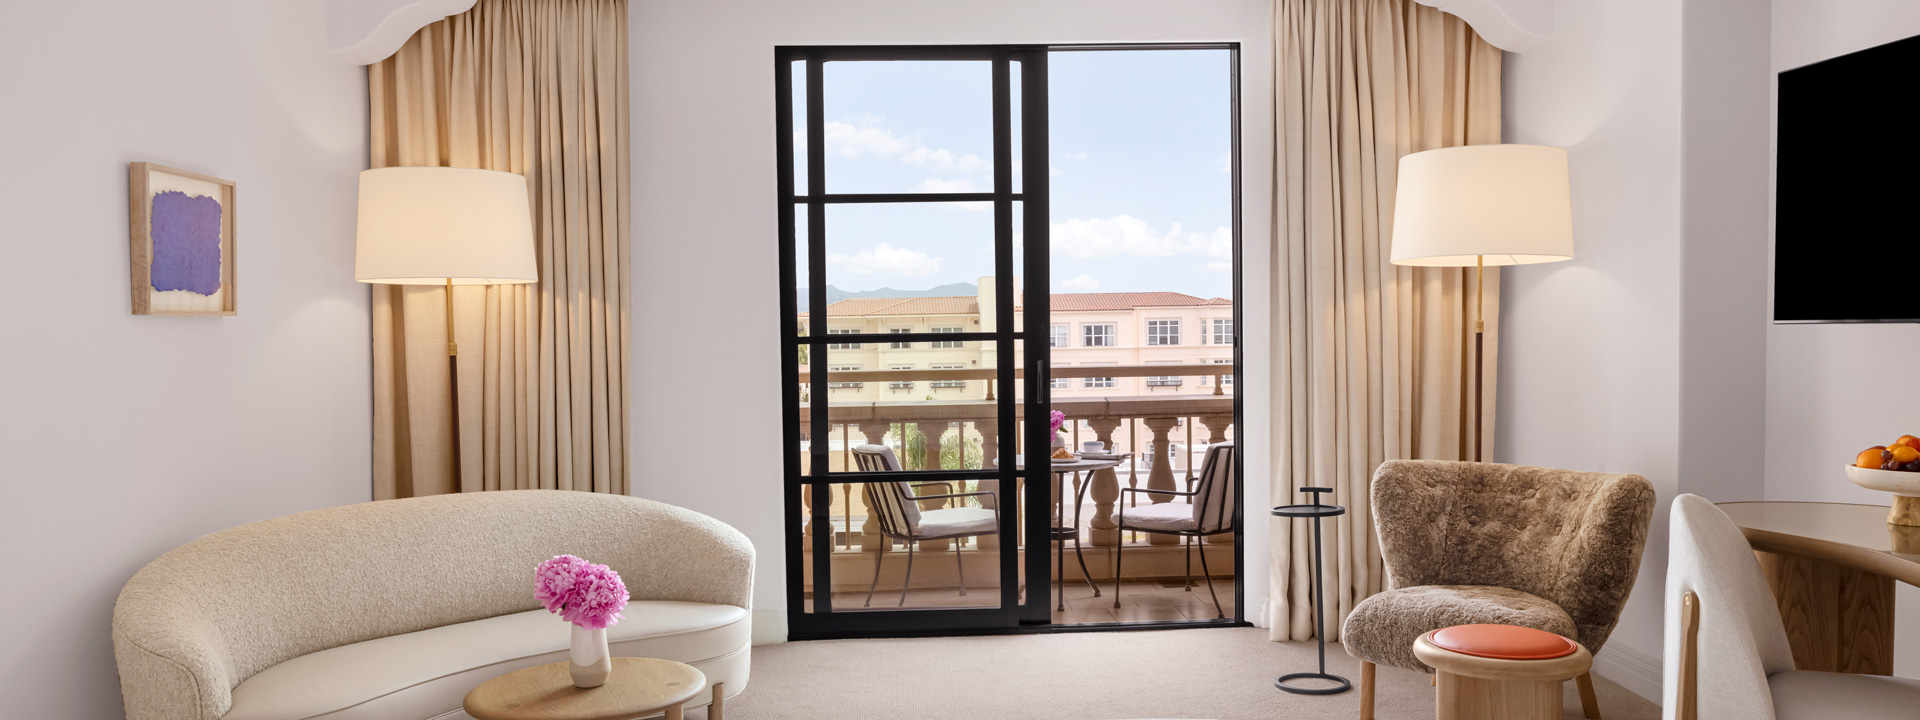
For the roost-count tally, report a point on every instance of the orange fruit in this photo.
(1909, 441)
(1904, 454)
(1868, 458)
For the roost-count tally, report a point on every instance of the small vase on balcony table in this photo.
(589, 660)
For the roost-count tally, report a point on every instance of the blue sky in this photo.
(1138, 169)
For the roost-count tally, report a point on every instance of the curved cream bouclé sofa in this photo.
(395, 609)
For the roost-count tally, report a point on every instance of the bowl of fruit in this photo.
(1893, 468)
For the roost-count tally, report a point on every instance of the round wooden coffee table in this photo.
(637, 688)
(1495, 684)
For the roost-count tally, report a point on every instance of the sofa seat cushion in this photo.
(1810, 695)
(426, 674)
(1382, 628)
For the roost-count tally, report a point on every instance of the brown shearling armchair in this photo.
(1464, 543)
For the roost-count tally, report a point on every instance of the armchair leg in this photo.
(962, 564)
(1589, 701)
(1219, 612)
(1118, 550)
(1186, 548)
(1366, 690)
(908, 580)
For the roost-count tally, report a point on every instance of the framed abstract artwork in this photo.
(183, 242)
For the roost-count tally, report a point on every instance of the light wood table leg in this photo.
(1589, 700)
(718, 710)
(674, 713)
(1837, 619)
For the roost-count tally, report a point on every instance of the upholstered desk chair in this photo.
(897, 508)
(1727, 656)
(1466, 543)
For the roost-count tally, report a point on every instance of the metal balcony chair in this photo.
(897, 509)
(1210, 510)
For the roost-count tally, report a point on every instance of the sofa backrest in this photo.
(1573, 538)
(235, 602)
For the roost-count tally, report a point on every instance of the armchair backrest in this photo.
(1215, 501)
(1573, 538)
(890, 502)
(1739, 640)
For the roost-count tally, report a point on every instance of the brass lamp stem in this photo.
(1479, 348)
(453, 378)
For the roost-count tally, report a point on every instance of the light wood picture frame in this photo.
(183, 257)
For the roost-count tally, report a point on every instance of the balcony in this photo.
(947, 434)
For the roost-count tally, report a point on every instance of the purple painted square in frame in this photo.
(186, 243)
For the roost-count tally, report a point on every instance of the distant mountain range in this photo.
(835, 294)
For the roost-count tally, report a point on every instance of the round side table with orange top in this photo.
(637, 688)
(1500, 672)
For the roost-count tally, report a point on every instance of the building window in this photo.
(831, 369)
(1100, 335)
(1164, 380)
(1226, 381)
(947, 384)
(1057, 336)
(1097, 382)
(1059, 383)
(1221, 332)
(843, 346)
(900, 384)
(948, 344)
(1163, 332)
(897, 345)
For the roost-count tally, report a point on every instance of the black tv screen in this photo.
(1846, 230)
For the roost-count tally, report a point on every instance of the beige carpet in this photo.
(1224, 674)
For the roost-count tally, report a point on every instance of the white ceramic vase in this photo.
(591, 662)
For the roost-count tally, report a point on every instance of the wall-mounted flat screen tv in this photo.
(1847, 189)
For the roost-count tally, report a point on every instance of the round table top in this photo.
(1855, 536)
(637, 688)
(1308, 511)
(1080, 464)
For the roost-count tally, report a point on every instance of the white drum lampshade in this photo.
(437, 226)
(1504, 204)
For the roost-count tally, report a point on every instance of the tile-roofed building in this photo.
(968, 305)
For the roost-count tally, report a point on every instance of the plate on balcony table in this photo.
(1102, 456)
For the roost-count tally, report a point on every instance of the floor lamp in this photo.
(1480, 205)
(444, 226)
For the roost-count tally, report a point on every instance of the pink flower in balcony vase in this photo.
(1055, 420)
(554, 580)
(598, 598)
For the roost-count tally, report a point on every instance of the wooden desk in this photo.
(1832, 567)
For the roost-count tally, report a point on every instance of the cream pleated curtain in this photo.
(538, 88)
(1372, 361)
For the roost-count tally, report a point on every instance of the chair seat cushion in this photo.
(956, 521)
(426, 674)
(1382, 628)
(1810, 695)
(1171, 517)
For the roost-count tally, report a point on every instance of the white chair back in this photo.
(1740, 641)
(1218, 496)
(890, 502)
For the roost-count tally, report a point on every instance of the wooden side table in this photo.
(1473, 687)
(638, 687)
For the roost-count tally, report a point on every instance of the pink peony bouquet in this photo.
(1058, 419)
(580, 592)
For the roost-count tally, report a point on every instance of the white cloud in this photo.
(1125, 235)
(1220, 267)
(1055, 172)
(1084, 282)
(886, 259)
(865, 137)
(1073, 156)
(1226, 164)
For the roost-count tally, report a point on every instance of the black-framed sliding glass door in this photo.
(928, 196)
(912, 408)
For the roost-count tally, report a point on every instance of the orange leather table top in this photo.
(1502, 642)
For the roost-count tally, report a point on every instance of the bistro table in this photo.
(1061, 531)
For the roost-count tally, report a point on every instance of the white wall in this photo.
(1590, 348)
(705, 227)
(1827, 385)
(120, 436)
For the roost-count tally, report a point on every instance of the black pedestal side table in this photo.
(1314, 511)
